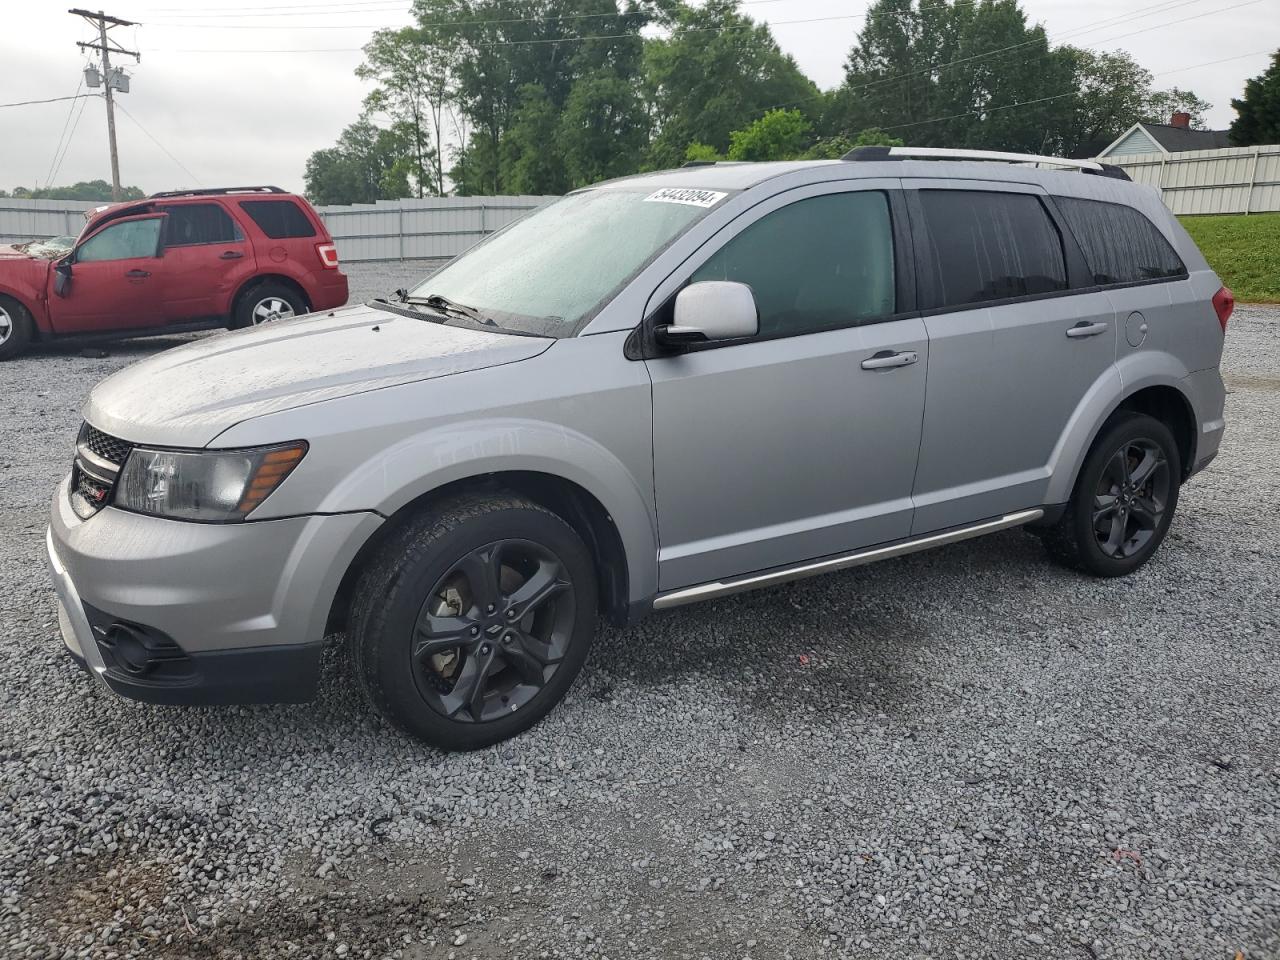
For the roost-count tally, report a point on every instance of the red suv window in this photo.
(193, 223)
(278, 219)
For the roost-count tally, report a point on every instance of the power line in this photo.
(57, 147)
(1108, 21)
(159, 144)
(27, 103)
(1058, 96)
(67, 146)
(1068, 34)
(169, 20)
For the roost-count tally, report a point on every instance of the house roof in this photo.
(1171, 139)
(1178, 139)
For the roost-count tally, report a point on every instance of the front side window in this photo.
(278, 219)
(817, 264)
(194, 223)
(1119, 243)
(545, 273)
(990, 246)
(122, 241)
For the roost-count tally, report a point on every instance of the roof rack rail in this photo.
(944, 153)
(699, 163)
(204, 191)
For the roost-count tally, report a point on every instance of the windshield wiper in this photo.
(445, 305)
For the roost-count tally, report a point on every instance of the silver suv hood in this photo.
(188, 395)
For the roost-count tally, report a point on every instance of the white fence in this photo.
(1230, 180)
(421, 229)
(386, 230)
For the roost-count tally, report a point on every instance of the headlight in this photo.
(214, 486)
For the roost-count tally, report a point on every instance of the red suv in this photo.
(186, 260)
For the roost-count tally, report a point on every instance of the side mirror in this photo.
(711, 310)
(62, 276)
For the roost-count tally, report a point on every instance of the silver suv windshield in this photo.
(545, 273)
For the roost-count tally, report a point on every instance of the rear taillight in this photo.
(1224, 301)
(329, 256)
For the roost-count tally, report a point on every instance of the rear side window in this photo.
(1119, 243)
(193, 223)
(278, 219)
(990, 246)
(816, 264)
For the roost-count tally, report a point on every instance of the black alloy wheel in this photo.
(494, 631)
(1124, 499)
(473, 618)
(1130, 499)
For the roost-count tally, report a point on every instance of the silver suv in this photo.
(661, 389)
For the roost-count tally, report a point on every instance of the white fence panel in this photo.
(408, 229)
(421, 229)
(1230, 180)
(37, 219)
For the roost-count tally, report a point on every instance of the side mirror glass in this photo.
(62, 277)
(711, 310)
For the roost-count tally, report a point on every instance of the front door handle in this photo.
(137, 274)
(1086, 329)
(231, 255)
(887, 359)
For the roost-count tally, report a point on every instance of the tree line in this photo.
(542, 96)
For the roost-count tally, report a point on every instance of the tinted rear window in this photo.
(1119, 243)
(192, 223)
(990, 246)
(278, 219)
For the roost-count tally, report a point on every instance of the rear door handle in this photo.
(137, 274)
(231, 255)
(887, 359)
(1086, 329)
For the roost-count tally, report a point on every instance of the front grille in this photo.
(109, 448)
(99, 457)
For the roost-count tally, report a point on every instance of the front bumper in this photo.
(243, 605)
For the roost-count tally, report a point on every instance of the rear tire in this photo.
(1123, 502)
(265, 302)
(470, 624)
(15, 328)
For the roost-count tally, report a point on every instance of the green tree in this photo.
(716, 73)
(413, 70)
(1258, 112)
(778, 135)
(366, 164)
(1160, 106)
(97, 190)
(604, 128)
(979, 75)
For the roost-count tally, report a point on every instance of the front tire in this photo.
(1124, 499)
(15, 328)
(472, 621)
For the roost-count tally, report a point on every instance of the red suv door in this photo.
(114, 279)
(206, 258)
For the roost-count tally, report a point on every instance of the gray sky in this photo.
(253, 116)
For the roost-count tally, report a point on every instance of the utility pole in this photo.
(105, 47)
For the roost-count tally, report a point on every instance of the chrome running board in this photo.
(812, 568)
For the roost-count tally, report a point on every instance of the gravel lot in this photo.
(964, 753)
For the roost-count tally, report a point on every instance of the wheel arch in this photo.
(258, 279)
(1170, 406)
(570, 501)
(24, 300)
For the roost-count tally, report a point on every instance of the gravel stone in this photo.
(961, 753)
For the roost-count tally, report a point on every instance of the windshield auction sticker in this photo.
(694, 198)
